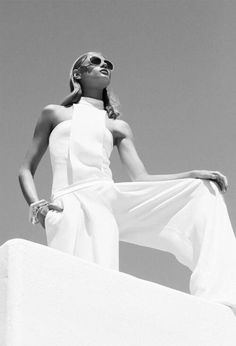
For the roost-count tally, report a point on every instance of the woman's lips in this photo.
(104, 71)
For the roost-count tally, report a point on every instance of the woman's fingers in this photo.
(221, 180)
(52, 206)
(41, 219)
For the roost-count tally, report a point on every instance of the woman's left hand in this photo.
(215, 176)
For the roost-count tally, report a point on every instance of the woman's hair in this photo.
(111, 102)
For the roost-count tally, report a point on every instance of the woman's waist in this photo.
(79, 185)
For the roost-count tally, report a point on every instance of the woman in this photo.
(183, 213)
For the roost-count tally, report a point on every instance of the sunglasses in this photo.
(95, 60)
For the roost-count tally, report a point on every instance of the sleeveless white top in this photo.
(80, 148)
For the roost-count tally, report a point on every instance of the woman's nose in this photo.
(104, 64)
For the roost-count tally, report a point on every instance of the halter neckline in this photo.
(92, 101)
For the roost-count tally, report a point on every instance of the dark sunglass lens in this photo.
(95, 60)
(109, 64)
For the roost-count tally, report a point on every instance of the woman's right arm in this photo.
(35, 153)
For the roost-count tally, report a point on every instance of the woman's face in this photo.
(94, 75)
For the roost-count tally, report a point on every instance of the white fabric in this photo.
(186, 217)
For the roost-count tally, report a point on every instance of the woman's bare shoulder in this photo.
(55, 113)
(53, 109)
(122, 128)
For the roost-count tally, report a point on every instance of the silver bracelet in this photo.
(33, 210)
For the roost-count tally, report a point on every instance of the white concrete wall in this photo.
(48, 298)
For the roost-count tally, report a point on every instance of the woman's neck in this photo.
(94, 93)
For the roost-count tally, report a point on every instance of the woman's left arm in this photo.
(137, 171)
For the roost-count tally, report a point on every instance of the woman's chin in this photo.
(104, 81)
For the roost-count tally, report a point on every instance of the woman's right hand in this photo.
(44, 210)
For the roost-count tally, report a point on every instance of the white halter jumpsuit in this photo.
(186, 217)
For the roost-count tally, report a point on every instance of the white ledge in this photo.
(48, 298)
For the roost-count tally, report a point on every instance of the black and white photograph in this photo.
(118, 173)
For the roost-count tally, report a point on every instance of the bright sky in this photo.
(175, 67)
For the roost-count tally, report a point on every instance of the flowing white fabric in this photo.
(186, 217)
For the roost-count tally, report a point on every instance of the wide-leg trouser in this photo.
(186, 217)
